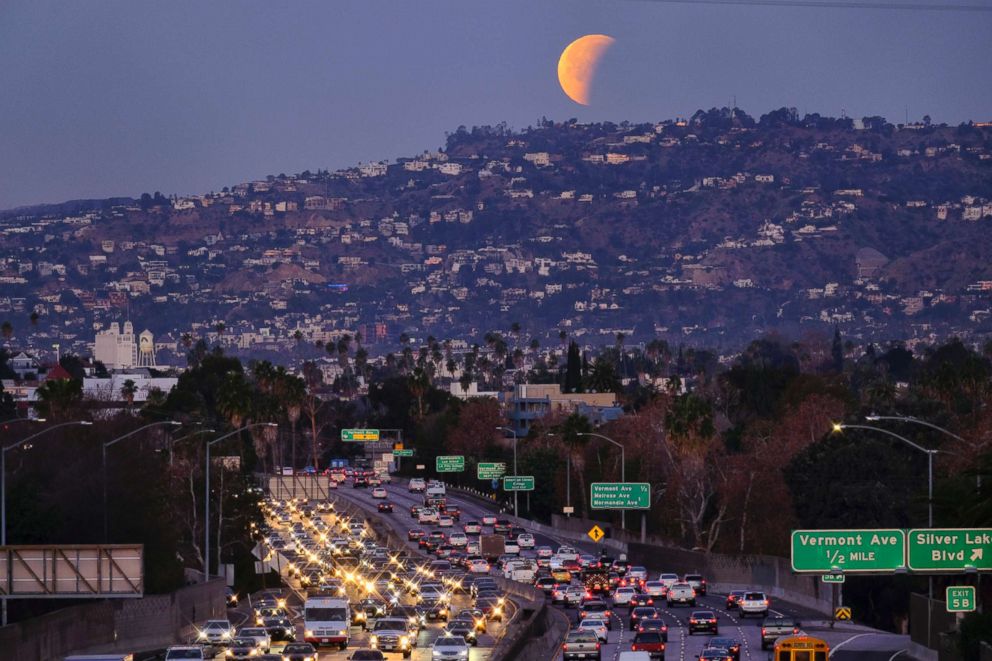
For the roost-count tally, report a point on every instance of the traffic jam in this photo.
(615, 610)
(347, 595)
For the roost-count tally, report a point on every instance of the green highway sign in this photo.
(620, 496)
(450, 464)
(960, 598)
(403, 453)
(350, 435)
(849, 551)
(950, 549)
(491, 471)
(832, 578)
(518, 483)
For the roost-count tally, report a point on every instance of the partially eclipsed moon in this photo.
(578, 63)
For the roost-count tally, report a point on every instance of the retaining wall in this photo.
(121, 625)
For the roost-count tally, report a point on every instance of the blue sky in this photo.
(105, 98)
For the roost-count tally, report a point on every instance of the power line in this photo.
(837, 4)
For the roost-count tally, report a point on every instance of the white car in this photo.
(669, 580)
(622, 596)
(216, 632)
(445, 521)
(511, 546)
(544, 552)
(640, 574)
(472, 528)
(574, 595)
(478, 566)
(417, 485)
(525, 540)
(427, 515)
(753, 603)
(184, 652)
(332, 484)
(472, 548)
(655, 589)
(458, 539)
(449, 647)
(596, 625)
(489, 519)
(261, 637)
(567, 553)
(379, 492)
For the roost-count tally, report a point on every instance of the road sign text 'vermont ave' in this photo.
(359, 435)
(950, 549)
(620, 496)
(823, 551)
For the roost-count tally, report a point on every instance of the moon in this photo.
(578, 63)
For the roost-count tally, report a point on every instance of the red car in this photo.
(385, 507)
(649, 642)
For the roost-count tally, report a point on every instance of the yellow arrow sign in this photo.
(842, 613)
(596, 533)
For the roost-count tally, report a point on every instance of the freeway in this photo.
(849, 642)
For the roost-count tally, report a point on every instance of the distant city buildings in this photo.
(122, 350)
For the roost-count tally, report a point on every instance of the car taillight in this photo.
(597, 645)
(763, 631)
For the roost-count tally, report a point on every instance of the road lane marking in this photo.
(896, 654)
(848, 640)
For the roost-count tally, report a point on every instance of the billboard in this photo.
(72, 571)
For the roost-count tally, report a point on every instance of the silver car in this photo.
(216, 632)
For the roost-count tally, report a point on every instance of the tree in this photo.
(837, 353)
(60, 399)
(128, 391)
(7, 329)
(573, 369)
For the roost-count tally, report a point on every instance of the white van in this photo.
(326, 621)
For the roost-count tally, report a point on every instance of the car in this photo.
(427, 515)
(544, 552)
(379, 492)
(668, 579)
(231, 597)
(733, 597)
(445, 521)
(650, 642)
(184, 653)
(525, 540)
(641, 599)
(581, 645)
(415, 511)
(263, 641)
(681, 593)
(476, 616)
(479, 566)
(241, 649)
(502, 526)
(453, 512)
(774, 628)
(458, 539)
(394, 634)
(729, 647)
(648, 624)
(596, 608)
(642, 613)
(545, 584)
(449, 647)
(597, 625)
(414, 534)
(359, 482)
(385, 508)
(367, 655)
(655, 588)
(574, 595)
(753, 603)
(703, 621)
(491, 606)
(623, 596)
(279, 627)
(697, 582)
(463, 628)
(417, 485)
(216, 632)
(511, 546)
(714, 654)
(638, 574)
(472, 528)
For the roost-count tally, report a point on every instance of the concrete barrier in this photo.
(113, 626)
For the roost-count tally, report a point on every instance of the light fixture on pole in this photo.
(206, 496)
(513, 431)
(106, 445)
(623, 475)
(917, 421)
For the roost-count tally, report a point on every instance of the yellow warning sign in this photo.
(842, 613)
(596, 533)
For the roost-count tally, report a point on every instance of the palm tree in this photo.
(128, 391)
(7, 329)
(419, 384)
(59, 397)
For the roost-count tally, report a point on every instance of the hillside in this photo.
(711, 230)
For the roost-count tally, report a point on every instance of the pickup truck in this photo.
(581, 645)
(681, 593)
(650, 642)
(774, 628)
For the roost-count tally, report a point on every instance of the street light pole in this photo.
(173, 441)
(623, 466)
(514, 432)
(104, 465)
(206, 498)
(917, 421)
(928, 451)
(3, 491)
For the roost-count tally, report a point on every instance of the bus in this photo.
(801, 648)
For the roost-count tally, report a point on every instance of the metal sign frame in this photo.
(67, 571)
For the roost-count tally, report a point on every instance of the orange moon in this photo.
(578, 63)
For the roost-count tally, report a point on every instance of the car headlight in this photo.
(228, 653)
(202, 635)
(374, 641)
(405, 641)
(308, 633)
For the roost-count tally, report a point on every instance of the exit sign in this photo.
(960, 598)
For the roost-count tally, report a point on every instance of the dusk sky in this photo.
(118, 98)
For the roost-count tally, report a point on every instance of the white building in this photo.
(123, 350)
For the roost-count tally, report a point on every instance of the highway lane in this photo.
(681, 645)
